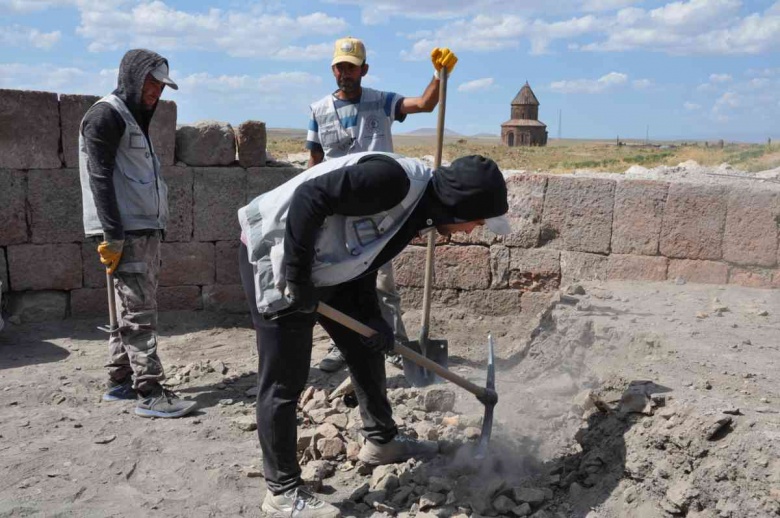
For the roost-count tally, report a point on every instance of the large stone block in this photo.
(752, 221)
(3, 271)
(693, 221)
(754, 277)
(525, 194)
(185, 264)
(93, 271)
(13, 193)
(227, 298)
(499, 266)
(44, 267)
(72, 110)
(636, 268)
(38, 306)
(490, 302)
(54, 201)
(180, 182)
(578, 266)
(702, 272)
(179, 298)
(227, 262)
(260, 180)
(478, 236)
(578, 214)
(89, 302)
(534, 269)
(219, 193)
(639, 212)
(206, 143)
(162, 131)
(251, 142)
(458, 267)
(413, 297)
(29, 130)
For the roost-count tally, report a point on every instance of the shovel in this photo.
(435, 350)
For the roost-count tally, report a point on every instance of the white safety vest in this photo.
(344, 248)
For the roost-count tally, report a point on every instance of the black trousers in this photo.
(284, 357)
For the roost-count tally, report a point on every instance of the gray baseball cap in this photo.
(161, 74)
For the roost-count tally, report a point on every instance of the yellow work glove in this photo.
(443, 58)
(110, 252)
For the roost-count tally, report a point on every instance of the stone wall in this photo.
(566, 228)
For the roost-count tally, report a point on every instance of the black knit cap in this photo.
(471, 188)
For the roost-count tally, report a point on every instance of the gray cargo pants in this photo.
(390, 301)
(133, 348)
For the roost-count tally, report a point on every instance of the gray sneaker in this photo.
(162, 402)
(298, 503)
(399, 449)
(333, 361)
(396, 360)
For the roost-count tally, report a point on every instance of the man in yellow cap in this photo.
(355, 119)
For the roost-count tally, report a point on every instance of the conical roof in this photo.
(525, 96)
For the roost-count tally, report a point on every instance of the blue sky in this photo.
(686, 69)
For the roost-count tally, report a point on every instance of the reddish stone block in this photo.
(54, 201)
(227, 262)
(694, 216)
(219, 193)
(179, 180)
(251, 142)
(162, 131)
(703, 272)
(578, 266)
(462, 267)
(413, 297)
(44, 267)
(754, 277)
(478, 236)
(263, 179)
(409, 267)
(490, 302)
(636, 268)
(72, 111)
(752, 222)
(534, 269)
(533, 303)
(639, 212)
(13, 192)
(38, 306)
(89, 302)
(578, 214)
(499, 266)
(179, 298)
(93, 271)
(228, 298)
(525, 194)
(187, 264)
(29, 130)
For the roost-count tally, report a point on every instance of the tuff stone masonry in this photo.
(566, 228)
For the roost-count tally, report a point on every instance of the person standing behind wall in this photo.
(125, 202)
(355, 119)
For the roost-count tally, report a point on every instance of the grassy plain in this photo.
(568, 154)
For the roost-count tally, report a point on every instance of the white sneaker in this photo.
(399, 449)
(297, 503)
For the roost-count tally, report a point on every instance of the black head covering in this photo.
(135, 66)
(471, 188)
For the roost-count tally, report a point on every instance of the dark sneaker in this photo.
(401, 448)
(396, 360)
(298, 503)
(333, 361)
(162, 402)
(120, 390)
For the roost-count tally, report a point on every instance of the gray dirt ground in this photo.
(700, 440)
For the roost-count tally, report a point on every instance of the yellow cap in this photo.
(350, 50)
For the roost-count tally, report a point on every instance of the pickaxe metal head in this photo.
(489, 398)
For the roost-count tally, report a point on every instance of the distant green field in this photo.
(566, 155)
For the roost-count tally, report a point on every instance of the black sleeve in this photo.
(399, 115)
(375, 184)
(102, 129)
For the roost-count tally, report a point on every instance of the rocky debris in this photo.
(181, 374)
(206, 143)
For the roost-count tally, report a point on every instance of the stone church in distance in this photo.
(524, 128)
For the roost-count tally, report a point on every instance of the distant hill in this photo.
(485, 135)
(431, 132)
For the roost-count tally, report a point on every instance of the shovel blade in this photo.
(436, 351)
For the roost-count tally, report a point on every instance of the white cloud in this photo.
(118, 24)
(18, 36)
(720, 78)
(51, 78)
(267, 84)
(30, 6)
(691, 106)
(641, 84)
(590, 86)
(477, 85)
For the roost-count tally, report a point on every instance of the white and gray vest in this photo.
(372, 132)
(141, 192)
(345, 246)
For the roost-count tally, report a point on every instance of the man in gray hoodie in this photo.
(125, 203)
